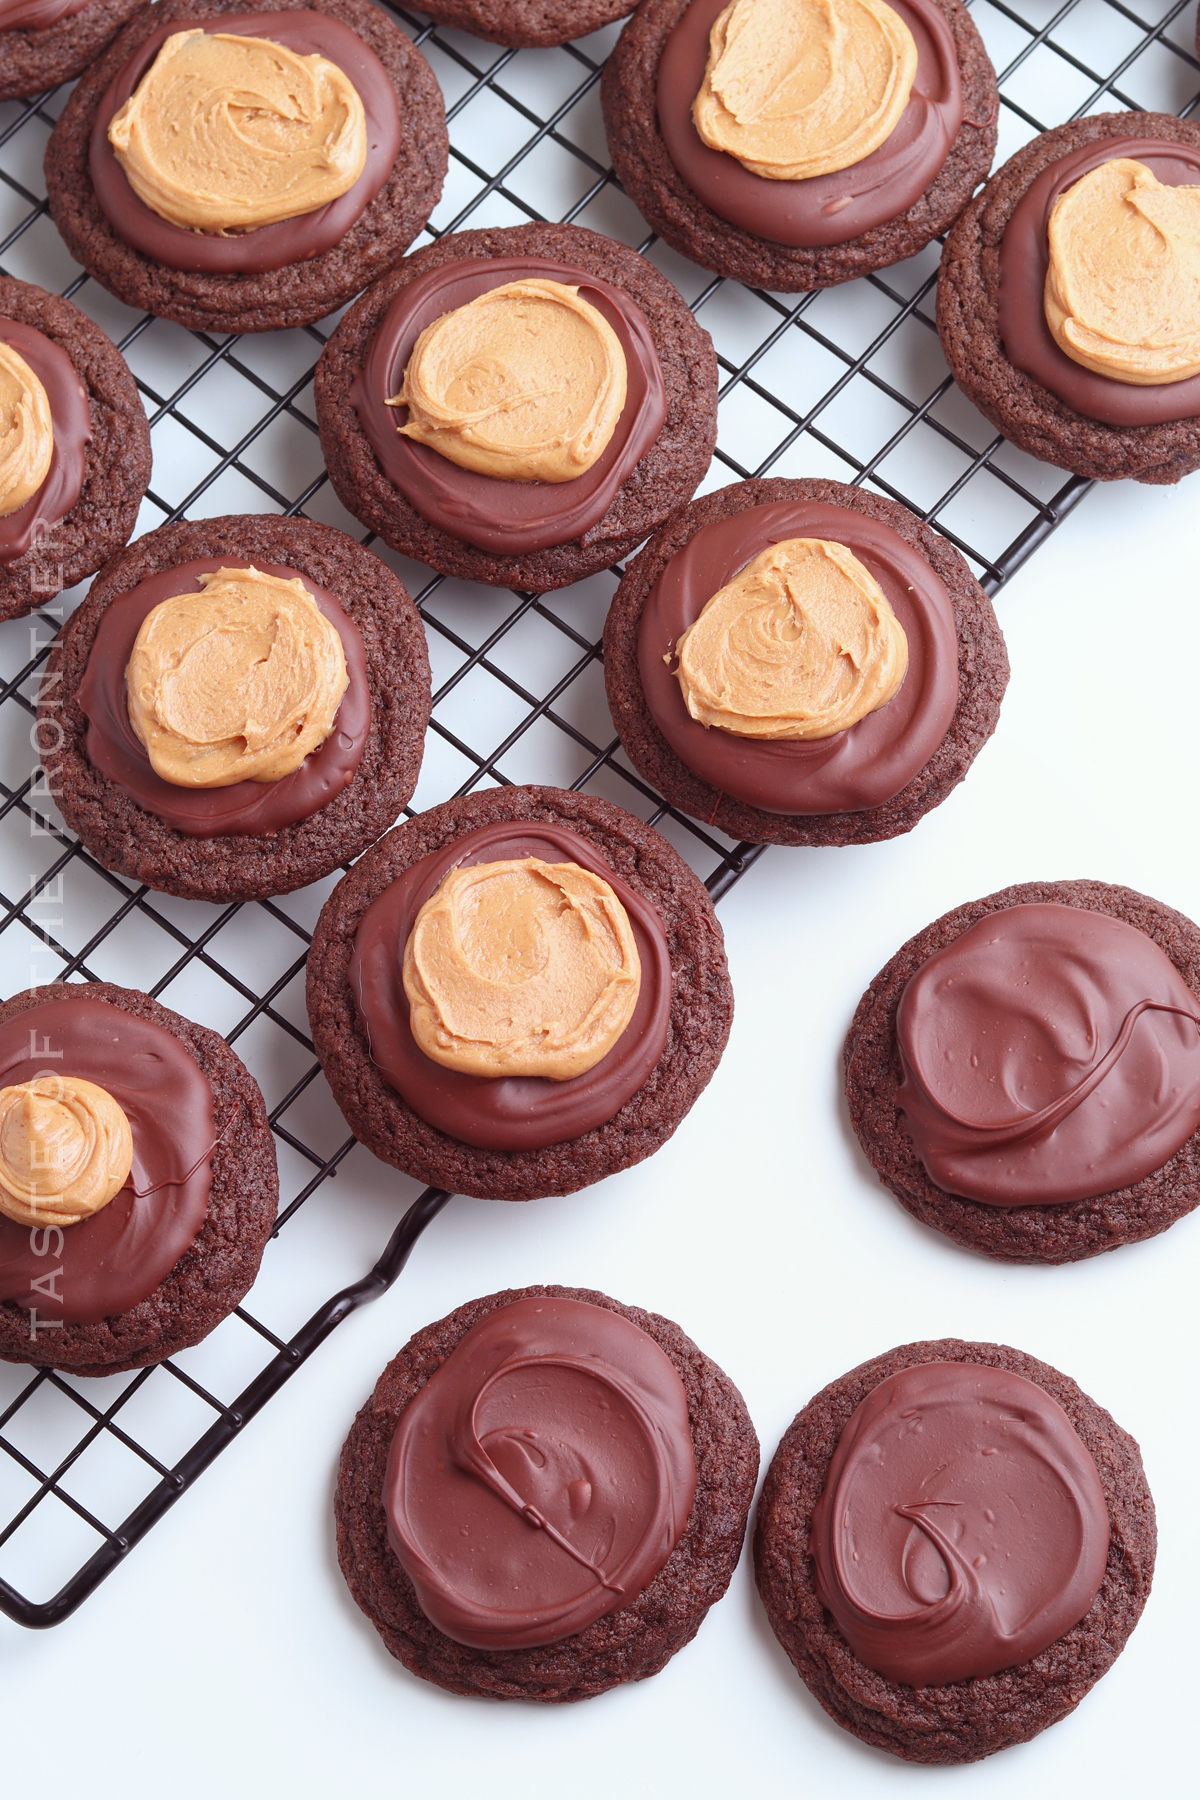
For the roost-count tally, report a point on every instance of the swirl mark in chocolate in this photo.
(37, 15)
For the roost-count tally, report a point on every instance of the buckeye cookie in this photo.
(43, 42)
(246, 168)
(1024, 1075)
(801, 662)
(953, 1544)
(1069, 297)
(518, 407)
(238, 707)
(138, 1184)
(794, 144)
(518, 993)
(544, 1495)
(74, 448)
(524, 23)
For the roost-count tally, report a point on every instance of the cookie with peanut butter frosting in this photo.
(246, 168)
(43, 42)
(525, 23)
(802, 662)
(239, 706)
(580, 1083)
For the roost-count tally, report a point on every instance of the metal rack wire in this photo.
(848, 383)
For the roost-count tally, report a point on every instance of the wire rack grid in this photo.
(848, 383)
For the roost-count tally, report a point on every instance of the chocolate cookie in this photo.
(627, 1644)
(630, 96)
(256, 860)
(971, 316)
(696, 979)
(682, 370)
(958, 1721)
(306, 287)
(214, 1272)
(36, 56)
(116, 456)
(982, 671)
(521, 23)
(1051, 1233)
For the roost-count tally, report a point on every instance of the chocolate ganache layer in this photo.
(1050, 1054)
(250, 808)
(506, 517)
(72, 422)
(1024, 260)
(542, 1476)
(36, 15)
(962, 1528)
(509, 1112)
(823, 209)
(106, 1264)
(268, 247)
(854, 769)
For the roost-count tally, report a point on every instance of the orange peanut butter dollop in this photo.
(521, 968)
(1122, 290)
(796, 88)
(227, 133)
(526, 382)
(238, 683)
(65, 1150)
(26, 431)
(801, 644)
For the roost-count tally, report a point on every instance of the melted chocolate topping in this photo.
(962, 1528)
(1049, 1054)
(72, 422)
(527, 1112)
(108, 1263)
(269, 246)
(855, 769)
(542, 1476)
(248, 808)
(1024, 260)
(36, 15)
(505, 517)
(824, 209)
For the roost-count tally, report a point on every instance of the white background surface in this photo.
(226, 1656)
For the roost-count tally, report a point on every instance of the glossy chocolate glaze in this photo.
(269, 246)
(542, 1476)
(36, 15)
(962, 1527)
(248, 808)
(504, 516)
(516, 1112)
(855, 769)
(107, 1264)
(1024, 260)
(72, 422)
(824, 209)
(1049, 1054)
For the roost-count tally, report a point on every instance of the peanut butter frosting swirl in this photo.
(1122, 292)
(26, 431)
(526, 383)
(801, 644)
(521, 968)
(238, 683)
(226, 133)
(797, 88)
(65, 1150)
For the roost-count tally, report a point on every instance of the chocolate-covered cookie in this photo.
(876, 778)
(992, 317)
(501, 1132)
(621, 1572)
(521, 23)
(95, 1284)
(86, 505)
(1039, 1051)
(526, 533)
(905, 1499)
(267, 833)
(794, 234)
(287, 270)
(43, 42)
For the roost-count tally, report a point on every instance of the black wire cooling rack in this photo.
(848, 383)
